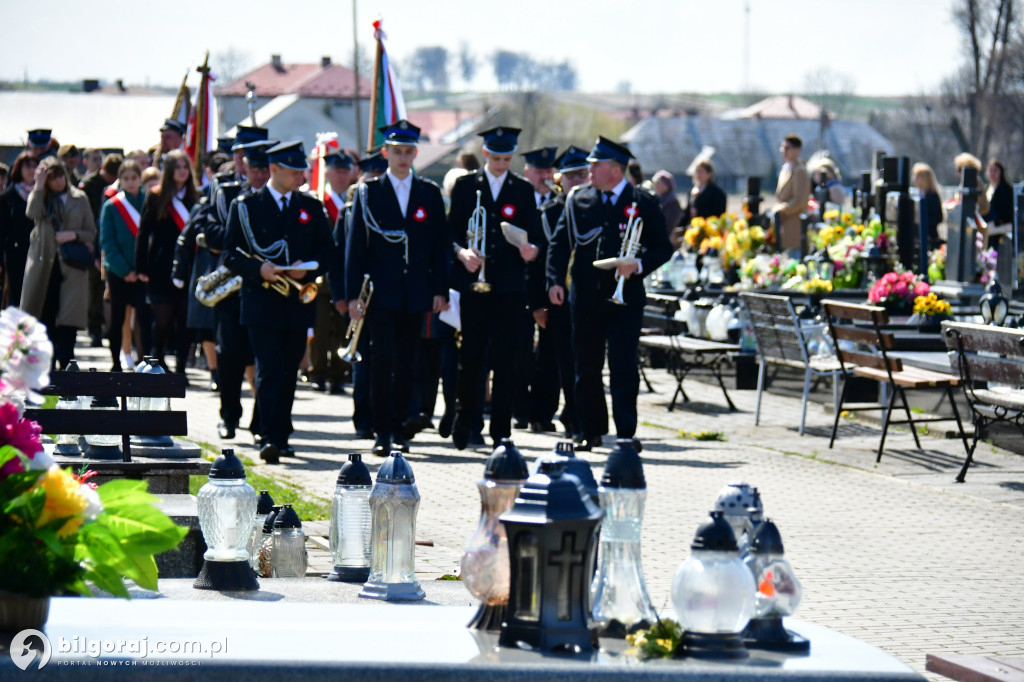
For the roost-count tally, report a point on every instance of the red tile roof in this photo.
(306, 80)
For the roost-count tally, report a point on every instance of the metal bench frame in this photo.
(685, 355)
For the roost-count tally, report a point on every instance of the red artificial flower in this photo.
(420, 215)
(509, 211)
(630, 211)
(21, 434)
(303, 216)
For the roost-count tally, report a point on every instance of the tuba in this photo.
(214, 287)
(630, 247)
(349, 352)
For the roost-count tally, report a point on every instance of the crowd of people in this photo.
(485, 287)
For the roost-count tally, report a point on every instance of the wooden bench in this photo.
(869, 359)
(967, 668)
(685, 354)
(781, 340)
(986, 355)
(123, 422)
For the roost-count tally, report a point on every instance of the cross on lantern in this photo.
(565, 559)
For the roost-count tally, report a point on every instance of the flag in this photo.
(202, 122)
(325, 144)
(182, 101)
(386, 102)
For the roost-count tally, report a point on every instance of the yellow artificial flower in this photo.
(64, 500)
(831, 215)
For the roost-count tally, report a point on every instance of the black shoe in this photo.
(520, 424)
(336, 388)
(477, 439)
(319, 385)
(364, 434)
(637, 444)
(259, 440)
(270, 454)
(542, 427)
(287, 451)
(213, 380)
(460, 432)
(401, 445)
(116, 368)
(97, 341)
(409, 429)
(445, 429)
(588, 444)
(225, 430)
(382, 446)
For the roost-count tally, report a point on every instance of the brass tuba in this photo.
(349, 352)
(214, 287)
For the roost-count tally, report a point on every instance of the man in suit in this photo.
(234, 352)
(492, 302)
(282, 227)
(792, 192)
(592, 228)
(554, 320)
(397, 237)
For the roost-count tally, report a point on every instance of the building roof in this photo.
(85, 120)
(289, 117)
(276, 78)
(779, 107)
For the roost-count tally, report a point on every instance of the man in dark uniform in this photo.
(554, 321)
(492, 313)
(277, 226)
(536, 385)
(172, 134)
(397, 237)
(234, 352)
(326, 370)
(591, 228)
(40, 143)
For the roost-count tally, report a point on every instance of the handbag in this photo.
(76, 255)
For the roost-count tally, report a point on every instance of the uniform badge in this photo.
(303, 216)
(508, 211)
(631, 211)
(420, 215)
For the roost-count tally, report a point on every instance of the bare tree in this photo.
(830, 89)
(230, 64)
(427, 69)
(467, 64)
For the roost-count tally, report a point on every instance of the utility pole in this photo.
(746, 46)
(355, 71)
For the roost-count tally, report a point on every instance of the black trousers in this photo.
(362, 405)
(619, 326)
(490, 329)
(523, 400)
(278, 353)
(393, 338)
(234, 354)
(169, 328)
(555, 363)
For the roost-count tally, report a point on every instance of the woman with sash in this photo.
(120, 218)
(164, 215)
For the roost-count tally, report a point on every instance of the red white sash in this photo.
(333, 204)
(178, 213)
(129, 214)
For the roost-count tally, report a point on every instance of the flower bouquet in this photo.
(937, 264)
(58, 530)
(897, 290)
(930, 311)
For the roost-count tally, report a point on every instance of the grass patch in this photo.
(917, 410)
(449, 576)
(924, 430)
(309, 507)
(700, 435)
(657, 426)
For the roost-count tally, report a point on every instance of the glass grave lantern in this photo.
(485, 563)
(103, 446)
(265, 555)
(67, 443)
(150, 365)
(350, 523)
(394, 501)
(264, 505)
(618, 594)
(227, 513)
(288, 559)
(778, 593)
(740, 504)
(551, 533)
(574, 466)
(993, 306)
(713, 593)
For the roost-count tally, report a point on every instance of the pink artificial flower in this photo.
(907, 277)
(14, 466)
(921, 289)
(21, 434)
(900, 289)
(890, 278)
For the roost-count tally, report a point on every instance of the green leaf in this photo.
(102, 546)
(142, 569)
(143, 528)
(107, 579)
(7, 453)
(124, 492)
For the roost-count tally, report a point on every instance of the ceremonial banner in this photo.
(202, 123)
(325, 144)
(386, 102)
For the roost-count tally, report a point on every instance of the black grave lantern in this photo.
(552, 541)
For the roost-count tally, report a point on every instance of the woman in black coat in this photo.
(164, 215)
(707, 200)
(1000, 199)
(15, 226)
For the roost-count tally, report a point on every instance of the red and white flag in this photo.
(201, 136)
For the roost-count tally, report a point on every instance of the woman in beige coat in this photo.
(54, 291)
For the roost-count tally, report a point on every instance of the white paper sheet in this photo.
(452, 317)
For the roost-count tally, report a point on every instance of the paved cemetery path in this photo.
(895, 554)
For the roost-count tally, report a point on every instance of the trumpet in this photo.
(476, 236)
(553, 186)
(349, 352)
(283, 284)
(630, 247)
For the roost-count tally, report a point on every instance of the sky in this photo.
(886, 47)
